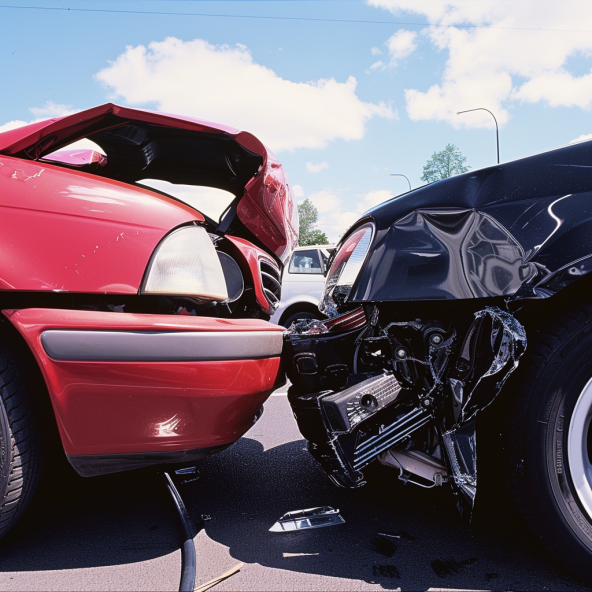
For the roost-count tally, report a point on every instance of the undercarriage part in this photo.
(188, 556)
(461, 448)
(416, 467)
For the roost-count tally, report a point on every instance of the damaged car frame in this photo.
(133, 323)
(442, 300)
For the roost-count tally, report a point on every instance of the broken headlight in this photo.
(186, 262)
(345, 269)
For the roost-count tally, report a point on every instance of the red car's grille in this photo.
(271, 282)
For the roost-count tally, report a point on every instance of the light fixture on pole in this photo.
(494, 119)
(400, 175)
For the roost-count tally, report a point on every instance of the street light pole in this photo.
(494, 119)
(400, 175)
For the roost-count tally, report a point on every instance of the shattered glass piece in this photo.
(307, 327)
(398, 534)
(309, 518)
(461, 446)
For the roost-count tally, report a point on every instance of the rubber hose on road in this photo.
(188, 557)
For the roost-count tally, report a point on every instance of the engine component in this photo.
(349, 429)
(344, 410)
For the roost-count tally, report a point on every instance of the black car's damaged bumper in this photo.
(403, 392)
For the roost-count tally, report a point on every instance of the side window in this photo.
(305, 262)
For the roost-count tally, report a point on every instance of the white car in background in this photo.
(302, 285)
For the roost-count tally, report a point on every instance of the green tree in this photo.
(308, 234)
(444, 164)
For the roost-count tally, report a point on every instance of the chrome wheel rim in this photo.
(578, 448)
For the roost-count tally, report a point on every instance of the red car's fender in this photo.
(65, 230)
(185, 384)
(253, 255)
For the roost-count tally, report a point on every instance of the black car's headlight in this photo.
(345, 268)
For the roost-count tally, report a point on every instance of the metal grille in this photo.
(271, 282)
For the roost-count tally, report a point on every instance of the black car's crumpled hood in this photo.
(521, 228)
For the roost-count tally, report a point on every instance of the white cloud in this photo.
(400, 45)
(298, 190)
(500, 63)
(373, 198)
(337, 213)
(316, 168)
(325, 201)
(581, 138)
(49, 110)
(224, 84)
(14, 124)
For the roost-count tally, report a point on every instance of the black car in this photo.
(442, 300)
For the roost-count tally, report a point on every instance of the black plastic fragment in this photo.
(446, 567)
(383, 545)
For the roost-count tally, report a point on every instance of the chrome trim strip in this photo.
(156, 346)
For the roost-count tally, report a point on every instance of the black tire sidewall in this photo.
(5, 451)
(552, 489)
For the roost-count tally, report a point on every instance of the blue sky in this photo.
(343, 104)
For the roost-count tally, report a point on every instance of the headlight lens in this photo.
(186, 262)
(345, 269)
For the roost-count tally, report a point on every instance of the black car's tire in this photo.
(542, 458)
(297, 316)
(20, 448)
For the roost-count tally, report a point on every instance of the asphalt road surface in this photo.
(120, 532)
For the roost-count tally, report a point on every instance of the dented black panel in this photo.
(506, 230)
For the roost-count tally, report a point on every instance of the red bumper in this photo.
(125, 384)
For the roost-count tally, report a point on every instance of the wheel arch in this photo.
(299, 306)
(12, 340)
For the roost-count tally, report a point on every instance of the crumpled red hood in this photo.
(266, 205)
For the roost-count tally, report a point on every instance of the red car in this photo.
(137, 322)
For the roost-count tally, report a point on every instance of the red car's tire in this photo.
(20, 448)
(550, 474)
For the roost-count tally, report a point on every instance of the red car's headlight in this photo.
(186, 262)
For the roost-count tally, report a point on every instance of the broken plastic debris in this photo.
(445, 567)
(309, 518)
